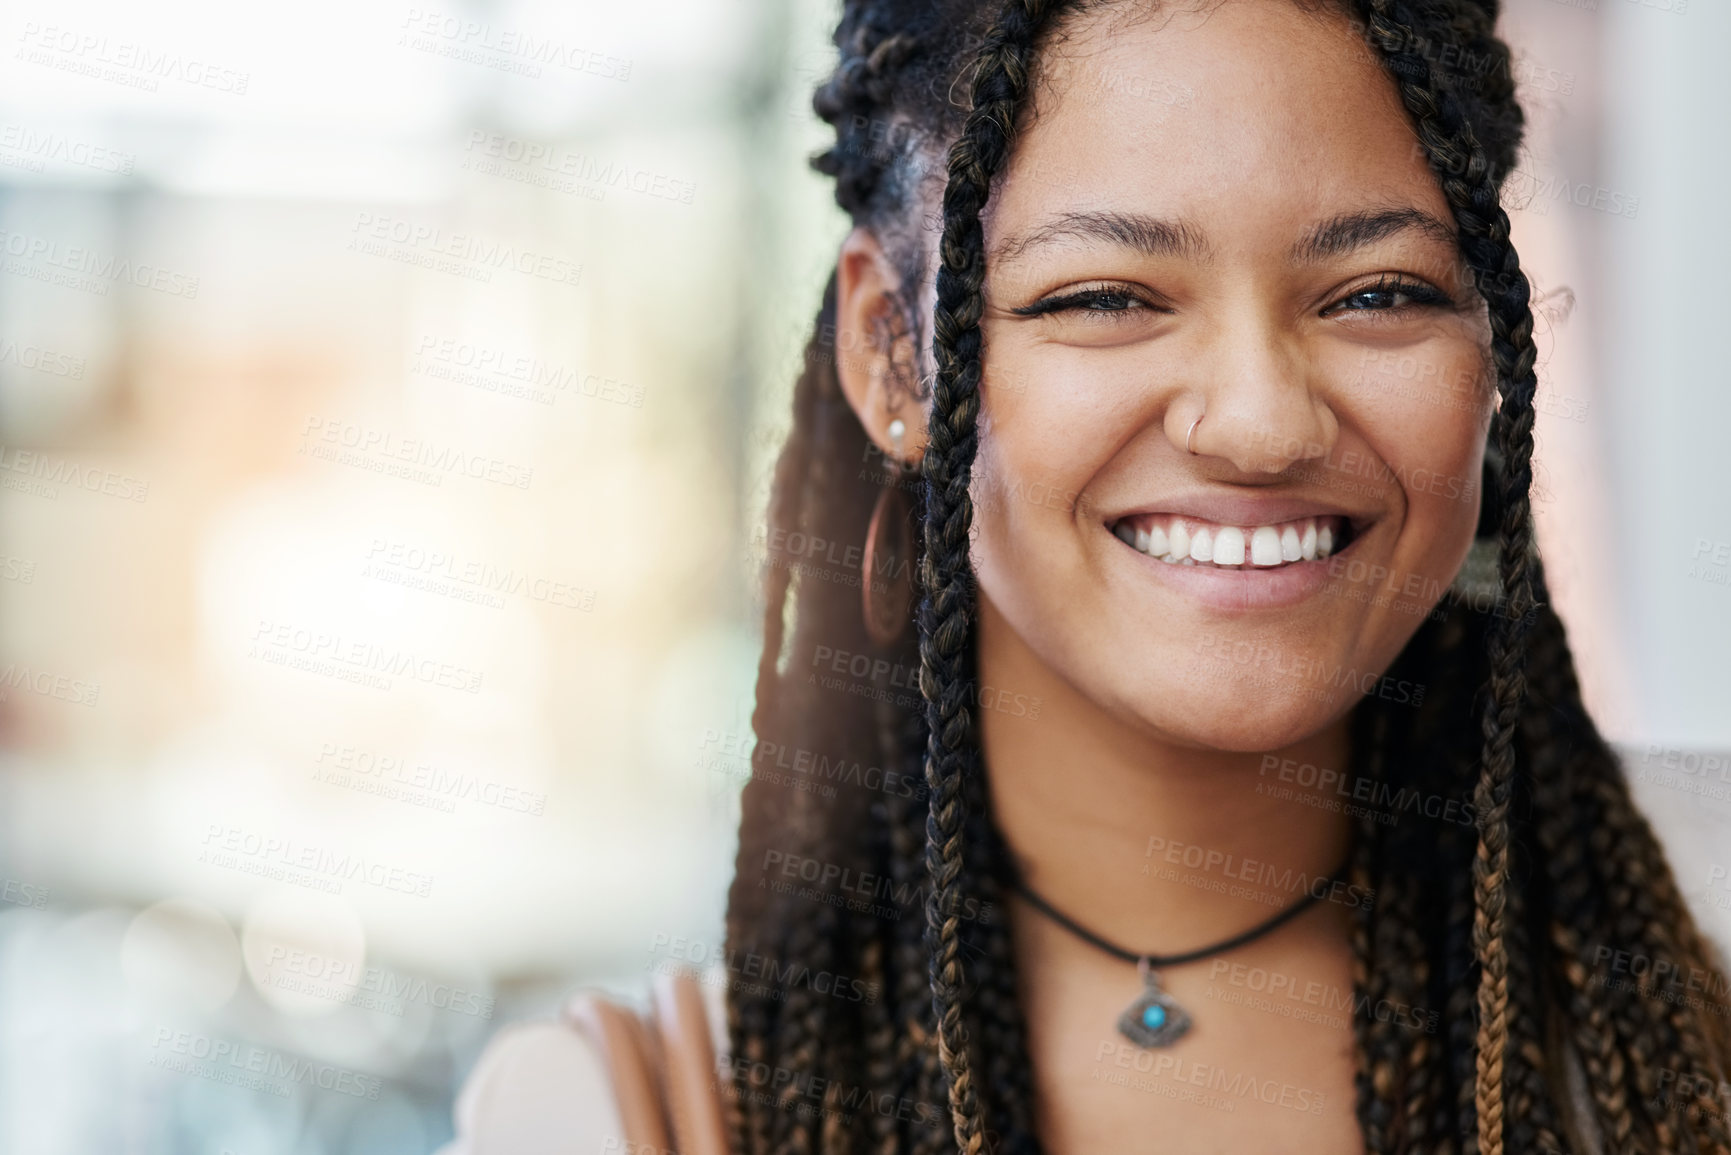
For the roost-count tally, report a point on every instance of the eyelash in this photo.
(1420, 294)
(1126, 300)
(1089, 301)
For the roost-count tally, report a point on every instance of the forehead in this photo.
(1258, 111)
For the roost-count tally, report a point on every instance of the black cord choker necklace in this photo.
(1155, 1019)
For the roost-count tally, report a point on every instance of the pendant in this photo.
(1154, 1019)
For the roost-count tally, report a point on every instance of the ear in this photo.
(866, 314)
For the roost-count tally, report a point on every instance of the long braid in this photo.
(746, 1122)
(1654, 1032)
(1470, 184)
(947, 608)
(1431, 865)
(1008, 1086)
(1641, 1031)
(917, 1076)
(1378, 1047)
(1004, 1035)
(1564, 838)
(1679, 1041)
(883, 1060)
(1532, 1117)
(1463, 1026)
(880, 1038)
(1599, 838)
(1378, 1066)
(792, 1129)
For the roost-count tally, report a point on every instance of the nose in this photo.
(1261, 407)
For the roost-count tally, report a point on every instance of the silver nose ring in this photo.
(1191, 436)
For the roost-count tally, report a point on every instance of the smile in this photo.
(1193, 542)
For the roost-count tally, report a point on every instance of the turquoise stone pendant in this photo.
(1154, 1019)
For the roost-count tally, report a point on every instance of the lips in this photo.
(1180, 539)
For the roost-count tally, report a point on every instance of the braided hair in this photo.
(1505, 926)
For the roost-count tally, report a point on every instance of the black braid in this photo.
(1470, 184)
(884, 1061)
(1377, 1045)
(747, 1122)
(1004, 1037)
(946, 610)
(795, 1127)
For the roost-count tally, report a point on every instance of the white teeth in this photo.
(1229, 546)
(1265, 546)
(1179, 541)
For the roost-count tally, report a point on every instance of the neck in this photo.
(1156, 845)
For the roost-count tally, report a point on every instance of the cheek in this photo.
(1040, 448)
(1025, 491)
(1423, 413)
(1048, 425)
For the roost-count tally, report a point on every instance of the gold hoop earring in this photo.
(889, 558)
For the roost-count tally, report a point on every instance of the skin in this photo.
(1167, 702)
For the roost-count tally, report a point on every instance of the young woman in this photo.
(1209, 771)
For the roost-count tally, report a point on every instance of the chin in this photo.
(1250, 711)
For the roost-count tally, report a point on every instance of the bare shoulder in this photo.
(538, 1087)
(579, 1082)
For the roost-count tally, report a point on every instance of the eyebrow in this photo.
(1155, 237)
(1150, 236)
(1350, 231)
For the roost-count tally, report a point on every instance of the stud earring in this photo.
(897, 431)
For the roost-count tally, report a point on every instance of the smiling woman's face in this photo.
(1221, 214)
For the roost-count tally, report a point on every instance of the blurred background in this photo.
(387, 400)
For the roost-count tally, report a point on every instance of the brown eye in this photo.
(1386, 296)
(1112, 302)
(1377, 299)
